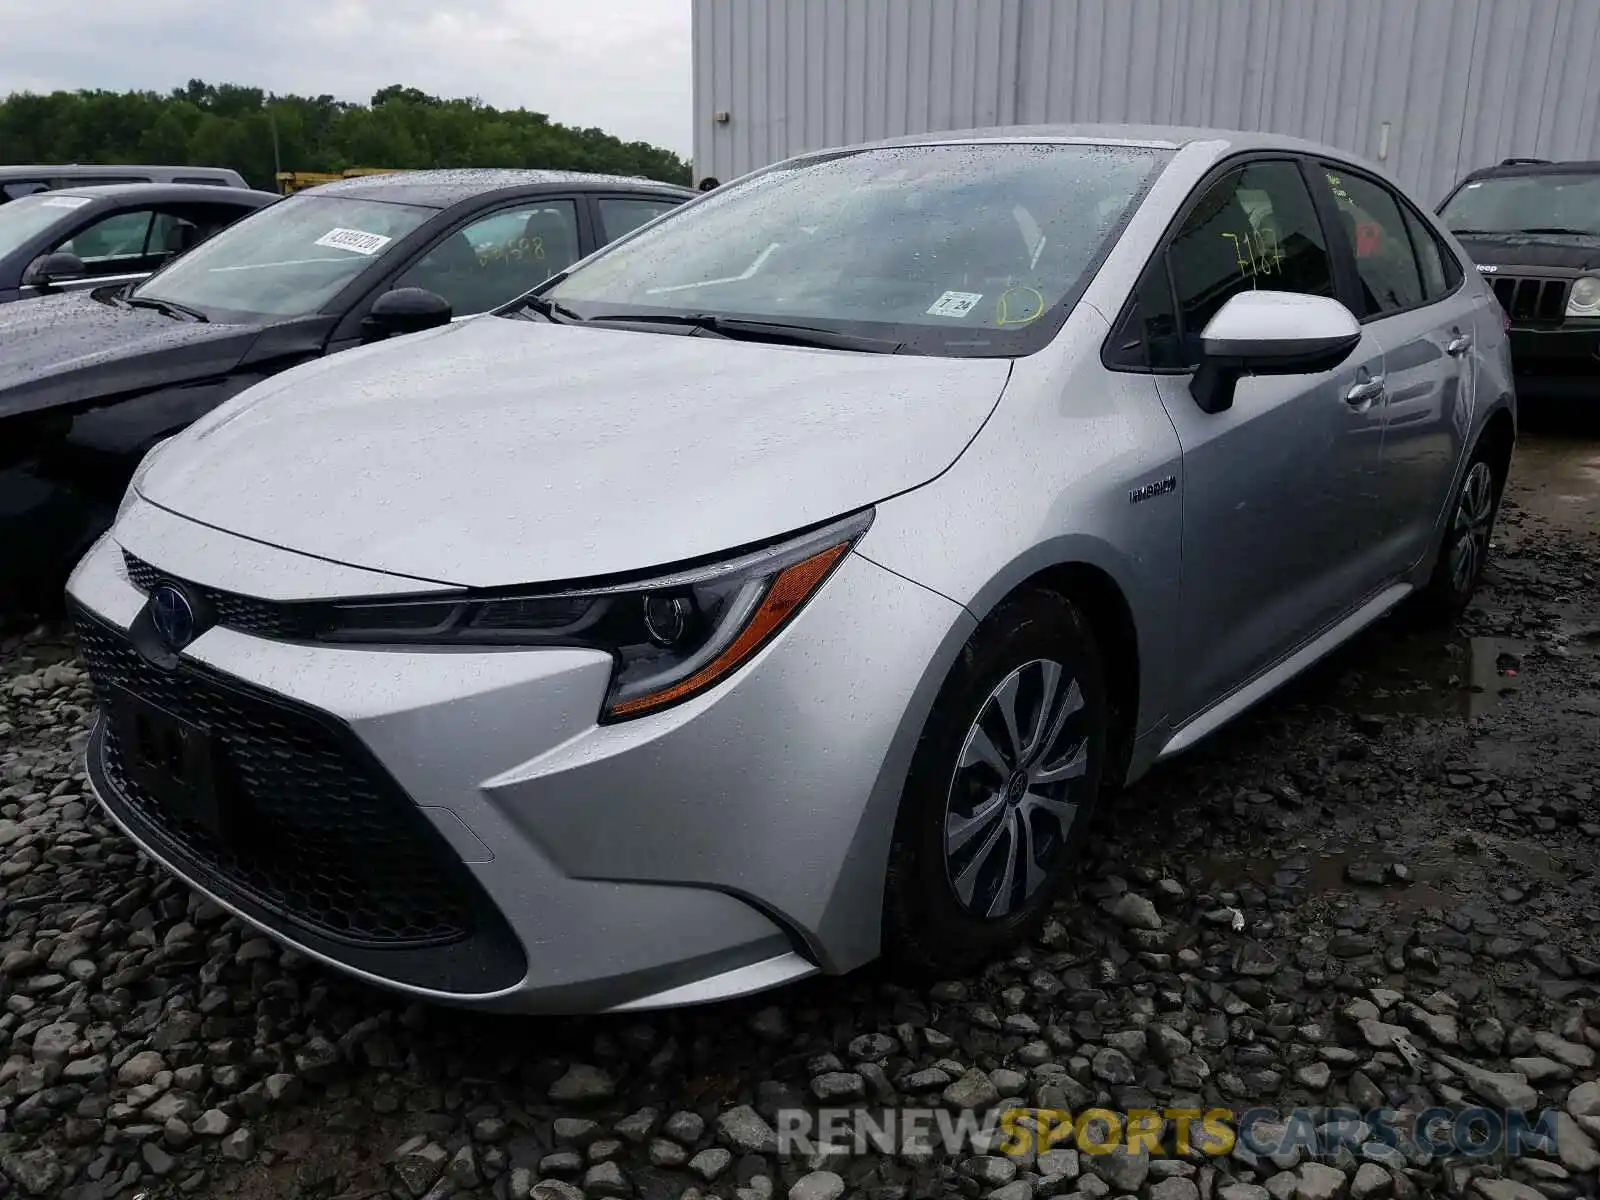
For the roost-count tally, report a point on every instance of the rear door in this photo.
(1278, 489)
(1407, 288)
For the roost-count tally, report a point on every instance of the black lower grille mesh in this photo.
(325, 837)
(1532, 300)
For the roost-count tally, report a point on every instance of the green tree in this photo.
(228, 125)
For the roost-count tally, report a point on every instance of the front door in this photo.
(1279, 490)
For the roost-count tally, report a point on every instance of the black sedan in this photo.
(90, 381)
(81, 238)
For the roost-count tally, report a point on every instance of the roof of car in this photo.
(1164, 137)
(168, 193)
(442, 188)
(1534, 166)
(65, 170)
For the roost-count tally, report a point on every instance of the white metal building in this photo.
(1429, 88)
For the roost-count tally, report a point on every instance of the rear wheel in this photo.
(1464, 553)
(1000, 788)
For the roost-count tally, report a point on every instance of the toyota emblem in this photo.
(172, 615)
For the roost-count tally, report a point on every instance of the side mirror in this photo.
(1270, 333)
(53, 268)
(404, 310)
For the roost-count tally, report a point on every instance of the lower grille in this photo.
(322, 839)
(1532, 300)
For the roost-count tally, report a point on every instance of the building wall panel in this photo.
(1430, 88)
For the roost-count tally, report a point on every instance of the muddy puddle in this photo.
(1443, 676)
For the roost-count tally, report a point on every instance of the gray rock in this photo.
(1315, 1076)
(36, 1172)
(637, 1127)
(463, 1168)
(1175, 1189)
(1236, 1190)
(420, 1166)
(664, 1152)
(159, 1162)
(583, 1085)
(239, 1146)
(819, 1185)
(990, 1170)
(1579, 1058)
(1021, 1189)
(973, 1091)
(1574, 1147)
(1112, 1066)
(835, 1086)
(140, 1068)
(606, 1179)
(54, 1042)
(771, 1024)
(1502, 1088)
(1584, 1100)
(1133, 911)
(744, 1130)
(1123, 1171)
(554, 1189)
(685, 1127)
(1506, 1189)
(1371, 1182)
(710, 1164)
(1318, 1181)
(871, 1047)
(213, 1123)
(1059, 1163)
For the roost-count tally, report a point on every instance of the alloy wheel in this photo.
(1013, 797)
(1469, 530)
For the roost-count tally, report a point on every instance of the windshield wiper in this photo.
(551, 310)
(1559, 229)
(169, 308)
(776, 332)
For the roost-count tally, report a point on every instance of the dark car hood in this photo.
(1534, 250)
(68, 349)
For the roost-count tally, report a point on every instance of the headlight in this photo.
(139, 473)
(672, 636)
(1584, 298)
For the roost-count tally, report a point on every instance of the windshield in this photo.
(973, 249)
(23, 220)
(1514, 203)
(286, 260)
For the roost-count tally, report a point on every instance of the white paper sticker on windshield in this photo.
(64, 202)
(955, 304)
(354, 241)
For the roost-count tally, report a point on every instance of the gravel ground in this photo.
(1377, 890)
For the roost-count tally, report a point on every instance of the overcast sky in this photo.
(622, 65)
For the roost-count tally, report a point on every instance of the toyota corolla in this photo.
(782, 585)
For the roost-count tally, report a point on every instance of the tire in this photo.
(1464, 549)
(962, 821)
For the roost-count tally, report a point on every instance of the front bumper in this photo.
(1556, 363)
(729, 844)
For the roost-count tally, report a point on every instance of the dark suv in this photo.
(1533, 229)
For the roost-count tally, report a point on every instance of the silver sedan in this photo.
(784, 584)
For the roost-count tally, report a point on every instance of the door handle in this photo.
(1362, 395)
(1459, 345)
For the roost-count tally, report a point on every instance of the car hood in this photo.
(72, 348)
(503, 450)
(1534, 250)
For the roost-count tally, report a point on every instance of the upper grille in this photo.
(325, 837)
(283, 621)
(1532, 300)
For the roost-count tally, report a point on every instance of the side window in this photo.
(619, 216)
(1386, 267)
(1441, 273)
(112, 243)
(15, 189)
(1148, 336)
(1255, 229)
(499, 257)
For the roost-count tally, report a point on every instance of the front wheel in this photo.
(1000, 788)
(1464, 553)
